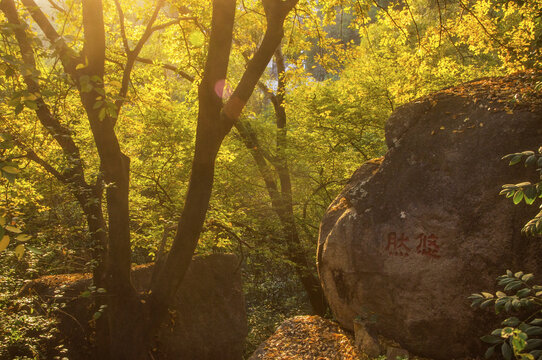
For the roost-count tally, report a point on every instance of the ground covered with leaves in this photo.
(308, 337)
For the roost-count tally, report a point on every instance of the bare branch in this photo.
(133, 54)
(172, 22)
(175, 69)
(56, 6)
(31, 154)
(122, 28)
(230, 231)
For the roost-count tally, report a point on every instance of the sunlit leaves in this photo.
(526, 191)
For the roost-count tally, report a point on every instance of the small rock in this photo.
(393, 353)
(365, 341)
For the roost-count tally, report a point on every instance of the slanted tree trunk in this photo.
(215, 121)
(281, 193)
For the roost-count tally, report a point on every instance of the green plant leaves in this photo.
(490, 339)
(506, 351)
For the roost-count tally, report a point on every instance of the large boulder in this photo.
(207, 320)
(415, 233)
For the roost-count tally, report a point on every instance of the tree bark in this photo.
(281, 200)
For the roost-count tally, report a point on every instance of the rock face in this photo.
(207, 322)
(415, 233)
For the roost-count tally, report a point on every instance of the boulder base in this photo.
(415, 233)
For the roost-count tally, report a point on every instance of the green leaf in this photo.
(511, 321)
(513, 285)
(34, 250)
(496, 332)
(97, 105)
(530, 194)
(23, 237)
(31, 104)
(19, 251)
(537, 321)
(490, 339)
(531, 159)
(85, 294)
(533, 330)
(4, 243)
(515, 159)
(13, 229)
(533, 344)
(101, 115)
(18, 108)
(536, 353)
(523, 292)
(490, 351)
(86, 87)
(97, 315)
(486, 303)
(518, 343)
(506, 351)
(518, 196)
(527, 277)
(508, 306)
(10, 170)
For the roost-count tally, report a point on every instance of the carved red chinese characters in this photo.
(427, 245)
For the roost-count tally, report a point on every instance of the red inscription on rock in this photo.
(427, 245)
(397, 246)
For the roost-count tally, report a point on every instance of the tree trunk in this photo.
(281, 200)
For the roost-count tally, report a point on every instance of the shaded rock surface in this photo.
(207, 321)
(415, 233)
(308, 338)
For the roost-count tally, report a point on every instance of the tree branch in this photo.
(31, 154)
(67, 56)
(133, 54)
(122, 28)
(275, 12)
(61, 134)
(175, 69)
(173, 22)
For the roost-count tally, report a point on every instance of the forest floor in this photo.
(308, 338)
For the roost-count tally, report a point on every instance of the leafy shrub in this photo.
(526, 191)
(28, 328)
(520, 338)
